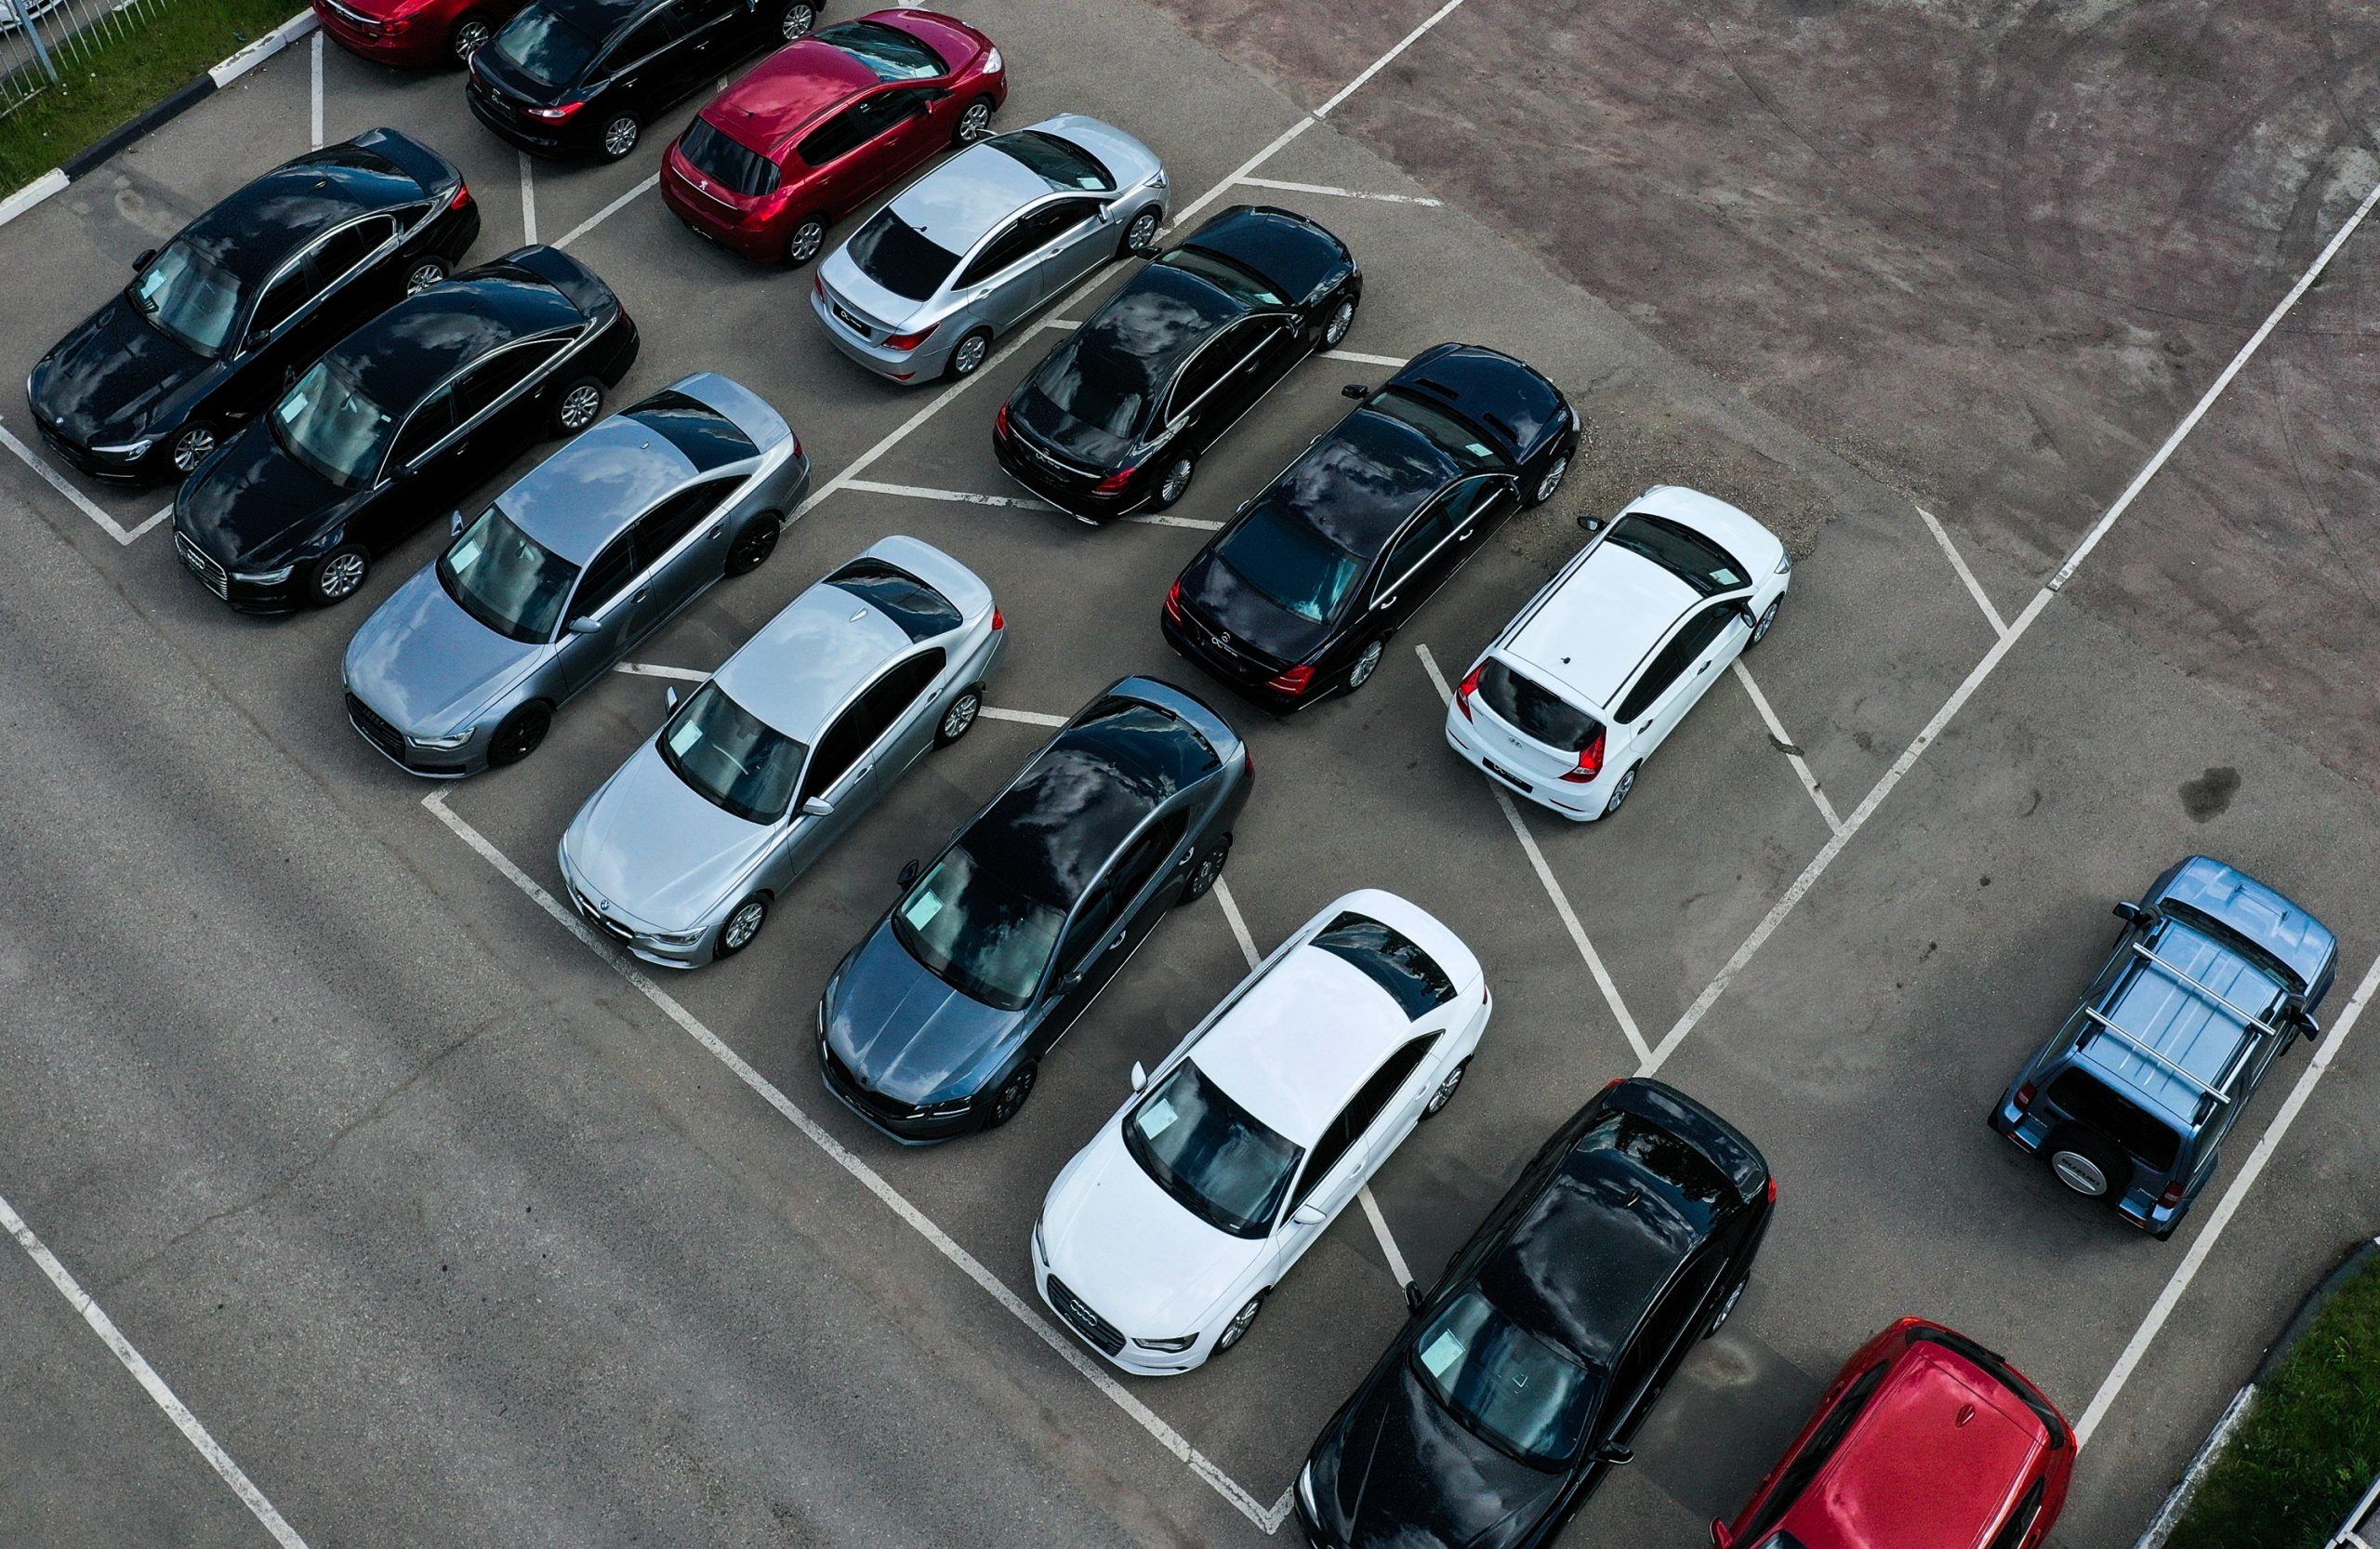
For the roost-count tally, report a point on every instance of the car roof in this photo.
(1934, 1461)
(960, 203)
(2156, 1006)
(252, 231)
(1605, 616)
(1362, 481)
(405, 351)
(774, 101)
(1147, 329)
(590, 491)
(803, 664)
(1509, 398)
(598, 19)
(1293, 252)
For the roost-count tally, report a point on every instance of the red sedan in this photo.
(819, 127)
(414, 32)
(1926, 1441)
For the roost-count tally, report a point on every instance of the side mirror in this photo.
(1306, 1215)
(455, 523)
(1613, 1451)
(2311, 1024)
(2131, 912)
(1068, 984)
(1752, 619)
(1591, 523)
(583, 625)
(818, 806)
(908, 877)
(1356, 389)
(1722, 1536)
(1412, 1297)
(1140, 1076)
(142, 261)
(670, 698)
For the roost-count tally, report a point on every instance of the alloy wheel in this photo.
(520, 734)
(959, 716)
(578, 407)
(807, 238)
(1444, 1093)
(1143, 231)
(1760, 628)
(619, 137)
(1237, 1330)
(424, 275)
(1619, 792)
(797, 21)
(191, 447)
(1177, 481)
(1013, 1093)
(1719, 1318)
(340, 576)
(970, 355)
(975, 123)
(1366, 664)
(743, 924)
(469, 38)
(1550, 479)
(753, 545)
(1343, 317)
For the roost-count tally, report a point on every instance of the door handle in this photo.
(1118, 939)
(1700, 670)
(641, 593)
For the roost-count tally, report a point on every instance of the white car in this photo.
(1161, 1239)
(1570, 701)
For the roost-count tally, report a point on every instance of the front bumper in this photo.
(893, 1122)
(1081, 1320)
(430, 763)
(243, 596)
(633, 936)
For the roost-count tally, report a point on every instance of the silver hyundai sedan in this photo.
(563, 573)
(683, 852)
(962, 255)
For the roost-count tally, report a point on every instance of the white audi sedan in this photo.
(1567, 703)
(1161, 1239)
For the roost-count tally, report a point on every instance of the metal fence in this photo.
(42, 42)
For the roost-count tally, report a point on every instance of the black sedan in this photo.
(937, 1022)
(584, 77)
(390, 429)
(215, 322)
(1298, 597)
(1115, 418)
(1518, 1381)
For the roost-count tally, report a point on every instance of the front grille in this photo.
(1088, 1324)
(851, 1089)
(376, 732)
(202, 565)
(596, 912)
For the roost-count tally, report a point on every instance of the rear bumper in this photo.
(1074, 499)
(924, 364)
(412, 48)
(1244, 678)
(762, 243)
(1578, 804)
(543, 143)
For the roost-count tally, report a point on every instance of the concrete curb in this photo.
(175, 104)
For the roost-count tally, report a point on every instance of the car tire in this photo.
(1011, 1095)
(2087, 1163)
(796, 20)
(1367, 663)
(1549, 480)
(743, 924)
(1207, 871)
(192, 444)
(1139, 231)
(470, 34)
(1241, 1321)
(425, 272)
(1727, 1306)
(336, 576)
(968, 355)
(805, 241)
(974, 124)
(1444, 1094)
(1619, 792)
(618, 137)
(1767, 621)
(754, 542)
(519, 735)
(1333, 331)
(578, 405)
(1175, 482)
(959, 718)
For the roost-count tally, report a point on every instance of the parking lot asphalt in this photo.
(443, 1227)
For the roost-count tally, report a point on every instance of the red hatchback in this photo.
(414, 32)
(820, 126)
(1926, 1441)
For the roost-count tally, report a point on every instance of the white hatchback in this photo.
(1161, 1239)
(1567, 704)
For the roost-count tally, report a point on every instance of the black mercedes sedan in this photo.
(390, 429)
(214, 322)
(1519, 1378)
(1297, 598)
(584, 77)
(936, 1023)
(1115, 419)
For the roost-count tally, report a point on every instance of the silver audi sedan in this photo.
(962, 255)
(682, 852)
(593, 550)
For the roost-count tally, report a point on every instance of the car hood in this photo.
(1126, 1246)
(427, 666)
(251, 503)
(2260, 913)
(646, 843)
(906, 1034)
(1395, 1470)
(105, 377)
(1215, 593)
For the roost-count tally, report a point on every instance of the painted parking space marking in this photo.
(623, 202)
(82, 502)
(315, 113)
(1545, 877)
(1287, 186)
(866, 1177)
(1786, 745)
(1022, 718)
(1408, 41)
(1239, 925)
(1019, 502)
(1380, 1231)
(1395, 362)
(529, 203)
(131, 1359)
(1975, 589)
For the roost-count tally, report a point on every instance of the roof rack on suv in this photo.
(2220, 1092)
(2246, 1017)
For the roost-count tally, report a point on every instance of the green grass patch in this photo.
(165, 48)
(2310, 1442)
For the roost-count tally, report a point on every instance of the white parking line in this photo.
(866, 1177)
(1380, 1231)
(316, 116)
(1341, 193)
(57, 480)
(1545, 877)
(1999, 624)
(623, 202)
(529, 202)
(1023, 718)
(1016, 502)
(1785, 744)
(2203, 1244)
(1239, 926)
(1393, 362)
(146, 1375)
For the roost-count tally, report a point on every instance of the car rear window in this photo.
(544, 46)
(900, 257)
(1535, 710)
(2091, 1101)
(707, 438)
(921, 612)
(737, 168)
(1389, 960)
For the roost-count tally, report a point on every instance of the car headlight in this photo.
(677, 938)
(945, 1110)
(1040, 1249)
(1784, 563)
(1305, 1493)
(992, 62)
(129, 451)
(273, 579)
(443, 745)
(1168, 1345)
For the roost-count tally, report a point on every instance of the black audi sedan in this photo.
(936, 1023)
(1519, 1378)
(390, 429)
(1115, 419)
(584, 77)
(214, 323)
(1297, 598)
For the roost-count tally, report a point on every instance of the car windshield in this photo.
(545, 47)
(1685, 553)
(1288, 562)
(327, 423)
(892, 54)
(976, 933)
(507, 579)
(900, 257)
(188, 298)
(733, 758)
(1535, 710)
(1444, 429)
(1230, 278)
(1063, 163)
(1524, 1395)
(1207, 1151)
(2284, 978)
(1089, 385)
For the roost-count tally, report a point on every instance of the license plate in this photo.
(853, 324)
(1504, 774)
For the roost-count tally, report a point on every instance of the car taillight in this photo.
(1000, 619)
(1115, 482)
(1297, 680)
(2025, 1095)
(796, 448)
(910, 342)
(462, 199)
(1462, 696)
(2173, 1191)
(1772, 1191)
(1590, 760)
(818, 285)
(557, 113)
(1173, 603)
(1000, 423)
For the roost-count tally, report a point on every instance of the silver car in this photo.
(563, 573)
(683, 852)
(962, 255)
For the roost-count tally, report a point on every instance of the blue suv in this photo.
(2213, 975)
